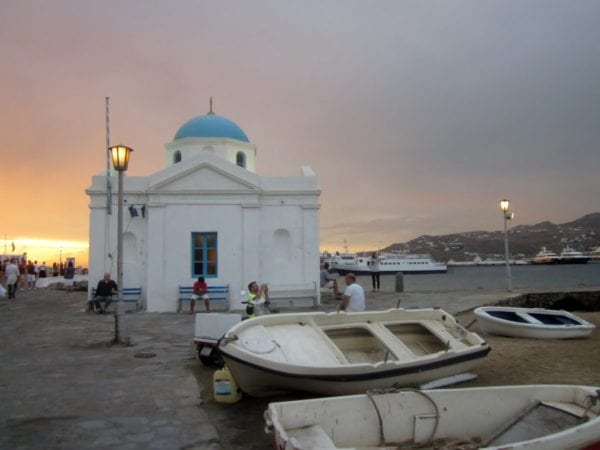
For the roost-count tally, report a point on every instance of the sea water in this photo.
(525, 278)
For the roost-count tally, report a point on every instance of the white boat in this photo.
(346, 353)
(571, 256)
(532, 417)
(388, 263)
(535, 323)
(545, 256)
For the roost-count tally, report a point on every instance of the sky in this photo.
(418, 117)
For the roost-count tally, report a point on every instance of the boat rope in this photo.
(469, 326)
(592, 401)
(227, 339)
(373, 392)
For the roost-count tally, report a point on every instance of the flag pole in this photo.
(107, 150)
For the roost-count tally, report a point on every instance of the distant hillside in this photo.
(524, 240)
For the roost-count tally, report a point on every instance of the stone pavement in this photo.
(62, 386)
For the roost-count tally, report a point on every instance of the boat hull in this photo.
(532, 323)
(345, 353)
(533, 417)
(261, 381)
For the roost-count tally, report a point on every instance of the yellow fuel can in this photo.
(225, 389)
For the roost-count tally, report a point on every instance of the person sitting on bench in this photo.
(104, 291)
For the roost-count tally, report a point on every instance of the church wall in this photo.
(179, 222)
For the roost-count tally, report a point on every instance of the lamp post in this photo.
(120, 159)
(504, 207)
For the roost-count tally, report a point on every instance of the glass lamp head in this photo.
(504, 205)
(120, 156)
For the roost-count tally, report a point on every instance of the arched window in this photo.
(240, 159)
(176, 157)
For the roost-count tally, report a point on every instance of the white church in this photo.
(208, 213)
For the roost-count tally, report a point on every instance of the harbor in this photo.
(63, 386)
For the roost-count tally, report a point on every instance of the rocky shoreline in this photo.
(568, 301)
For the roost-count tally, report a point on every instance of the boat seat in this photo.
(311, 437)
(305, 345)
(440, 331)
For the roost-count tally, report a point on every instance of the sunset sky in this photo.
(417, 116)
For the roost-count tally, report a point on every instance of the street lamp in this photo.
(504, 207)
(120, 159)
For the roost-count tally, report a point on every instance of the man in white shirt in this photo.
(354, 295)
(12, 276)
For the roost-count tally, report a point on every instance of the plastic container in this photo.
(225, 389)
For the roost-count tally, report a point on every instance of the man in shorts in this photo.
(200, 292)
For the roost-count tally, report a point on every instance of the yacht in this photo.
(545, 256)
(388, 263)
(571, 256)
(567, 256)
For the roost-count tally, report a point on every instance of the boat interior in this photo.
(411, 419)
(311, 344)
(533, 317)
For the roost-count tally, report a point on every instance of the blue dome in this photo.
(211, 126)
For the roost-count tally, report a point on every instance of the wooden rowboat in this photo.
(345, 353)
(535, 323)
(534, 417)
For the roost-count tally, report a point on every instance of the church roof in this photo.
(211, 126)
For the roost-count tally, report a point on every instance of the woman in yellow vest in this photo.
(257, 295)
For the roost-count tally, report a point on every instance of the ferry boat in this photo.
(388, 263)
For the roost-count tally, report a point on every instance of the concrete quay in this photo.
(62, 386)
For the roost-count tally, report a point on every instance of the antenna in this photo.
(210, 112)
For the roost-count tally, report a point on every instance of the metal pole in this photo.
(120, 326)
(508, 276)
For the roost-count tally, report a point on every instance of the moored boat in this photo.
(534, 323)
(571, 256)
(345, 353)
(389, 263)
(545, 256)
(533, 417)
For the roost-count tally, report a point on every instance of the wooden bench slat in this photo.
(215, 293)
(130, 295)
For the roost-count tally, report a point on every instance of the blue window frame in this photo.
(204, 255)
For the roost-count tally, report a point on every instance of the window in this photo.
(176, 157)
(240, 159)
(204, 255)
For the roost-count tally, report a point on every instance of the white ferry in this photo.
(388, 263)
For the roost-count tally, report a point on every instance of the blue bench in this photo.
(216, 293)
(131, 296)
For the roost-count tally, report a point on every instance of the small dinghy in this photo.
(348, 353)
(532, 417)
(535, 323)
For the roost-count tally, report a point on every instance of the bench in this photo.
(293, 295)
(131, 297)
(216, 293)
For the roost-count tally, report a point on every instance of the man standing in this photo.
(354, 295)
(12, 278)
(104, 291)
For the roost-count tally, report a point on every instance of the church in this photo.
(208, 213)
